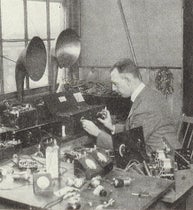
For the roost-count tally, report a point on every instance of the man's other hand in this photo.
(90, 127)
(107, 121)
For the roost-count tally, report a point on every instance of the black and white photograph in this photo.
(96, 104)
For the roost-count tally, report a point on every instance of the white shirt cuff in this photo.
(113, 130)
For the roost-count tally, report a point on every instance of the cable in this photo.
(131, 163)
(182, 157)
(135, 163)
(54, 202)
(123, 18)
(161, 171)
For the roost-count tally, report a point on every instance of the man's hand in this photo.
(90, 127)
(107, 121)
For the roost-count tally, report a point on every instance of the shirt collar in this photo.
(137, 91)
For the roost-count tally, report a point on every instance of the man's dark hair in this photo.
(126, 65)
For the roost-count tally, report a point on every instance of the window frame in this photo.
(48, 39)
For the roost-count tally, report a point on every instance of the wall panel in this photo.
(155, 29)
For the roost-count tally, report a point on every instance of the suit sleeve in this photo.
(149, 121)
(105, 140)
(156, 126)
(119, 128)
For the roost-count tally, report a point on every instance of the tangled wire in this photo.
(91, 87)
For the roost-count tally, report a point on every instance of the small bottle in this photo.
(52, 160)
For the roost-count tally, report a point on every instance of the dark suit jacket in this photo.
(149, 110)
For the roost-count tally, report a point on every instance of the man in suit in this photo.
(149, 110)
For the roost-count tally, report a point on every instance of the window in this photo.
(20, 21)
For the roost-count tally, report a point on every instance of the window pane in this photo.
(12, 19)
(37, 19)
(11, 51)
(56, 19)
(44, 80)
(52, 44)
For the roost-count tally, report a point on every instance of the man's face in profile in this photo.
(120, 83)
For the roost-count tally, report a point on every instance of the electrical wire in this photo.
(53, 203)
(131, 163)
(182, 157)
(161, 172)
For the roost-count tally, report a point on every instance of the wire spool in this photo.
(31, 62)
(121, 182)
(100, 191)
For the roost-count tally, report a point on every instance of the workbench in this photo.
(127, 197)
(181, 196)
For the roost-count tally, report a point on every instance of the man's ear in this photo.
(127, 77)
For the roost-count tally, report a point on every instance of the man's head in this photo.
(125, 77)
